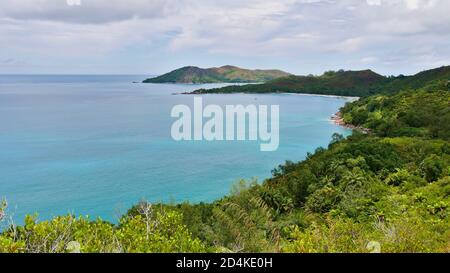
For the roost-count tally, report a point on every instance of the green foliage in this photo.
(432, 168)
(157, 232)
(3, 206)
(418, 113)
(333, 236)
(342, 83)
(153, 231)
(323, 200)
(347, 83)
(244, 222)
(224, 74)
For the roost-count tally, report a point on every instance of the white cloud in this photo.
(295, 29)
(89, 11)
(369, 60)
(409, 4)
(374, 2)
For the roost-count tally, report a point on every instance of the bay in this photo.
(96, 145)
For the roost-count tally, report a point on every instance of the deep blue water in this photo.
(96, 145)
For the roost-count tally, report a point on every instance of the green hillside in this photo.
(438, 78)
(343, 83)
(421, 113)
(224, 74)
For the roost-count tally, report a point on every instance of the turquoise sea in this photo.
(96, 145)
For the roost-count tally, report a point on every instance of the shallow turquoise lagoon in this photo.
(96, 145)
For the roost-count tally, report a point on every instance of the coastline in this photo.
(349, 98)
(338, 119)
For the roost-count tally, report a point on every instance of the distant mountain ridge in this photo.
(344, 83)
(224, 74)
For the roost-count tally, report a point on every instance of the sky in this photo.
(151, 37)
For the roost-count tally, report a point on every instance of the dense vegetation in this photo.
(421, 113)
(387, 191)
(343, 83)
(224, 74)
(153, 230)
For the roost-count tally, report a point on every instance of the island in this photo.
(343, 83)
(224, 74)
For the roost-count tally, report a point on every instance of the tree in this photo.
(432, 168)
(336, 138)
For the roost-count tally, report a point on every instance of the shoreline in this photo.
(339, 120)
(350, 98)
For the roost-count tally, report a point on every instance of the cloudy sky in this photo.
(154, 36)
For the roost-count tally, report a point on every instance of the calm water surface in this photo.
(96, 145)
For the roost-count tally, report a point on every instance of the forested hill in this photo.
(224, 74)
(434, 79)
(343, 83)
(421, 113)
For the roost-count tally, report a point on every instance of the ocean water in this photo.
(96, 145)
